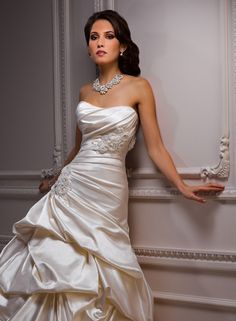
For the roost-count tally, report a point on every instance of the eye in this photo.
(110, 36)
(93, 37)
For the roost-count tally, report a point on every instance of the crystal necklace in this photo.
(103, 89)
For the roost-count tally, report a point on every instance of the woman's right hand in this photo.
(45, 185)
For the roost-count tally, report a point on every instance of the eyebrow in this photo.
(109, 31)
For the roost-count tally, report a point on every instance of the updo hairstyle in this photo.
(129, 61)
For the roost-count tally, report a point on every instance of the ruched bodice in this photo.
(71, 257)
(109, 130)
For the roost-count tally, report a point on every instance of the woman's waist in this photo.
(92, 156)
(99, 168)
(105, 148)
(89, 151)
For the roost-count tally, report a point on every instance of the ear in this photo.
(123, 48)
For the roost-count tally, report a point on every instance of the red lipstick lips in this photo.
(100, 53)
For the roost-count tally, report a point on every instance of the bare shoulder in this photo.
(84, 90)
(140, 88)
(139, 83)
(144, 84)
(137, 80)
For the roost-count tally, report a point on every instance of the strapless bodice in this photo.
(107, 130)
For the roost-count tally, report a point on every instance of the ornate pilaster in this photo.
(222, 170)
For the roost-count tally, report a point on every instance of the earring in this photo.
(121, 53)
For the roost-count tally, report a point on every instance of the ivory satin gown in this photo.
(71, 257)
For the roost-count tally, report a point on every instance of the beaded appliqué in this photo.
(113, 142)
(63, 183)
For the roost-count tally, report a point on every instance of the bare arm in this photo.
(46, 184)
(157, 150)
(75, 149)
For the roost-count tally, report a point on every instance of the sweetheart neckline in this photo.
(100, 107)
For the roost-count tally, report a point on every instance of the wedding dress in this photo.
(71, 257)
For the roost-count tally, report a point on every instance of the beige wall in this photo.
(187, 250)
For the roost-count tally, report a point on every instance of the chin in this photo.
(102, 62)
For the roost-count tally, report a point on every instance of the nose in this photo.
(100, 42)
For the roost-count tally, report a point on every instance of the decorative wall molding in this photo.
(64, 65)
(62, 82)
(100, 5)
(20, 184)
(66, 75)
(171, 194)
(194, 301)
(234, 44)
(222, 170)
(19, 175)
(141, 194)
(20, 193)
(57, 153)
(181, 254)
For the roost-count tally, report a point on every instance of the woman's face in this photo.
(103, 45)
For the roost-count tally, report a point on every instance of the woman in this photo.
(71, 258)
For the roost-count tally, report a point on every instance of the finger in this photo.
(195, 197)
(215, 186)
(208, 188)
(198, 199)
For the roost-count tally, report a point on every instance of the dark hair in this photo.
(129, 61)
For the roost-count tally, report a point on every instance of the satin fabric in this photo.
(71, 257)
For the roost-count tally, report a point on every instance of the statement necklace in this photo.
(103, 89)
